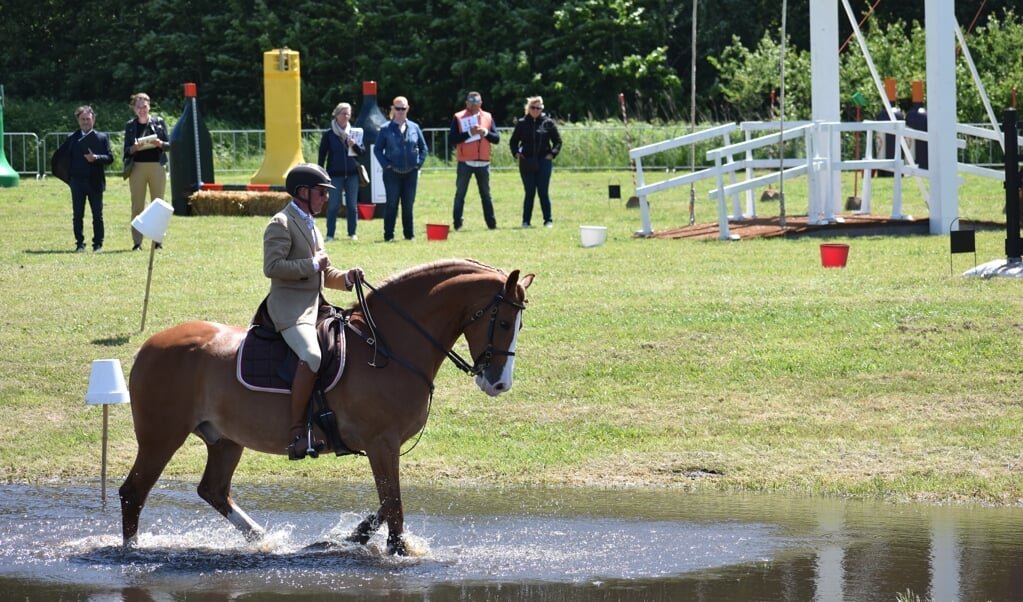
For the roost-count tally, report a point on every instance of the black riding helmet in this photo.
(306, 174)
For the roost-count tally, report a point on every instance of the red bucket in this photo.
(436, 231)
(834, 255)
(366, 210)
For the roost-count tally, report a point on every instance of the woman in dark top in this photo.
(146, 144)
(534, 143)
(339, 147)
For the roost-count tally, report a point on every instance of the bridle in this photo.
(480, 363)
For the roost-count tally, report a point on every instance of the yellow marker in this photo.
(282, 106)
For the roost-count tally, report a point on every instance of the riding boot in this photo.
(301, 391)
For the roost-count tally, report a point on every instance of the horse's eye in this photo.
(505, 324)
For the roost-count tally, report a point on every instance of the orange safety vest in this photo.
(478, 150)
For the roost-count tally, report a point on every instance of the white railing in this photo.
(642, 189)
(814, 160)
(725, 164)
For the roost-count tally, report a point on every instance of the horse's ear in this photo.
(509, 284)
(513, 280)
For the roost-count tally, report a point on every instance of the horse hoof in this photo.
(254, 536)
(358, 539)
(396, 546)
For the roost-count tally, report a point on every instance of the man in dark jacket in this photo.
(85, 153)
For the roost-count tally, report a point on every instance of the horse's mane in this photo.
(441, 264)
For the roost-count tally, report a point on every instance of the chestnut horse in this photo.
(184, 381)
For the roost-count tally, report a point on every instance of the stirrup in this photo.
(296, 451)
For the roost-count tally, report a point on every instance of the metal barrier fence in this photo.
(604, 148)
(22, 152)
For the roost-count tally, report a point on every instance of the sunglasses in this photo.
(400, 108)
(535, 108)
(474, 101)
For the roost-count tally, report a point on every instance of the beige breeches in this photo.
(143, 175)
(302, 340)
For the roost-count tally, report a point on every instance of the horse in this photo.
(183, 381)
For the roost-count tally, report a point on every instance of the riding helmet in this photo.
(306, 174)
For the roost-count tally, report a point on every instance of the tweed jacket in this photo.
(295, 285)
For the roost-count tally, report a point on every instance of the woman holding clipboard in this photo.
(146, 143)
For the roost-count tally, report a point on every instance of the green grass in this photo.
(644, 362)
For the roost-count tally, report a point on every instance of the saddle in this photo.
(266, 363)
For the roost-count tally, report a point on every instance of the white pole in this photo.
(781, 124)
(692, 118)
(149, 280)
(939, 22)
(826, 107)
(103, 461)
(995, 124)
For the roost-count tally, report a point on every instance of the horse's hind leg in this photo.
(215, 487)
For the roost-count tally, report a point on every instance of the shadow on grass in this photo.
(105, 251)
(115, 341)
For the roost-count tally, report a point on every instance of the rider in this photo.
(298, 269)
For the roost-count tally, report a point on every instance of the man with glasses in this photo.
(473, 132)
(400, 150)
(298, 268)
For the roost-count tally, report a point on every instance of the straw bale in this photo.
(241, 202)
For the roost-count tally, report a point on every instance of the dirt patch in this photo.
(799, 225)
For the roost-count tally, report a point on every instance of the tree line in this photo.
(578, 54)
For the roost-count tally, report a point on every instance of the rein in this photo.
(480, 363)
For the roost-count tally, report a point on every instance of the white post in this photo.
(644, 208)
(940, 22)
(825, 101)
(868, 136)
(723, 233)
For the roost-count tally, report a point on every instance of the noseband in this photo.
(482, 361)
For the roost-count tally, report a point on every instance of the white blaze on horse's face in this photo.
(504, 383)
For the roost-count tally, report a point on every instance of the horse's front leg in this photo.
(385, 474)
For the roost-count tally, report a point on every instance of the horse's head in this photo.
(492, 333)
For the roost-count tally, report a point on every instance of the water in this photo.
(507, 544)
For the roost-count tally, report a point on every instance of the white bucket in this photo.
(593, 236)
(106, 383)
(153, 222)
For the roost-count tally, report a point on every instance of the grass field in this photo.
(644, 362)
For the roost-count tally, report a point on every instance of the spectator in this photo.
(339, 146)
(85, 154)
(145, 154)
(400, 150)
(473, 132)
(534, 143)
